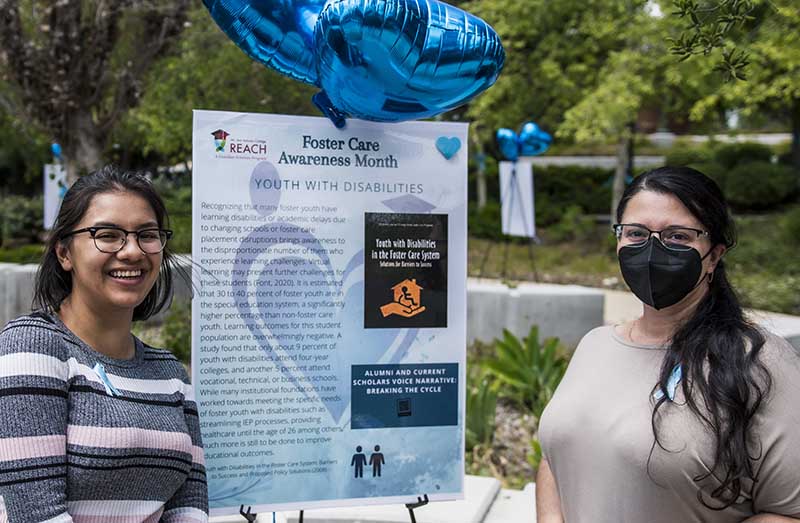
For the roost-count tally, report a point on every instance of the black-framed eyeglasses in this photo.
(674, 237)
(113, 239)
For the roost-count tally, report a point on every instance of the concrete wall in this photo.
(565, 311)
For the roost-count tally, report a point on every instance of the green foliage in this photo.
(485, 222)
(22, 254)
(760, 186)
(21, 218)
(178, 200)
(714, 171)
(558, 187)
(481, 409)
(207, 72)
(680, 156)
(527, 371)
(708, 26)
(574, 225)
(732, 155)
(555, 53)
(177, 330)
(790, 227)
(535, 454)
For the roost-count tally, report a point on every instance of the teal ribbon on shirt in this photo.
(672, 384)
(111, 390)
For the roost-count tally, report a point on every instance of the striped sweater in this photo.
(90, 439)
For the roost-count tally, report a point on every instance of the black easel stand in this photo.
(421, 502)
(247, 515)
(512, 192)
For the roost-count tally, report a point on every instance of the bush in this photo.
(22, 254)
(558, 187)
(790, 227)
(484, 223)
(713, 170)
(574, 225)
(177, 330)
(527, 371)
(481, 408)
(760, 186)
(731, 155)
(688, 156)
(21, 218)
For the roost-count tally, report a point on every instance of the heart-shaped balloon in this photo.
(507, 142)
(393, 60)
(277, 33)
(531, 141)
(381, 60)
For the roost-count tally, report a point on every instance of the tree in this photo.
(207, 72)
(609, 111)
(75, 67)
(555, 51)
(773, 80)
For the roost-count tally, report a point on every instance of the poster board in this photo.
(516, 197)
(55, 187)
(329, 319)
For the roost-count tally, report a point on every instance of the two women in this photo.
(97, 426)
(690, 412)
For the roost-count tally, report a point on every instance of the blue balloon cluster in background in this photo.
(380, 60)
(531, 141)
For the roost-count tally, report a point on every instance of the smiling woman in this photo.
(103, 426)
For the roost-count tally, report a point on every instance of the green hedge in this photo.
(21, 218)
(731, 155)
(582, 190)
(760, 186)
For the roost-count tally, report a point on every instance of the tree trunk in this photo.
(796, 136)
(618, 185)
(83, 148)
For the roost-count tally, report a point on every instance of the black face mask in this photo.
(658, 275)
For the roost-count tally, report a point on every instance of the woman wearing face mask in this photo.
(98, 426)
(690, 412)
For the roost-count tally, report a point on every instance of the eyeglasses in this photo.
(679, 238)
(113, 239)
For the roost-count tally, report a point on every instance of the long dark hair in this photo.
(54, 284)
(717, 347)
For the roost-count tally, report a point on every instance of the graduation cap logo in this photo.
(220, 137)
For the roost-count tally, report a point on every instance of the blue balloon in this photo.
(277, 33)
(55, 148)
(533, 141)
(507, 141)
(403, 59)
(380, 60)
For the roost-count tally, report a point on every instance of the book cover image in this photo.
(405, 270)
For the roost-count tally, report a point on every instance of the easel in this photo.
(514, 192)
(421, 502)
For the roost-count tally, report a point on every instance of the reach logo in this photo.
(220, 139)
(239, 148)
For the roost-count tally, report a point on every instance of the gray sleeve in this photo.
(34, 375)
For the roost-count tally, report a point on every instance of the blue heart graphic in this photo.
(448, 146)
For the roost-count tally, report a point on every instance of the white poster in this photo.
(55, 187)
(329, 334)
(516, 197)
